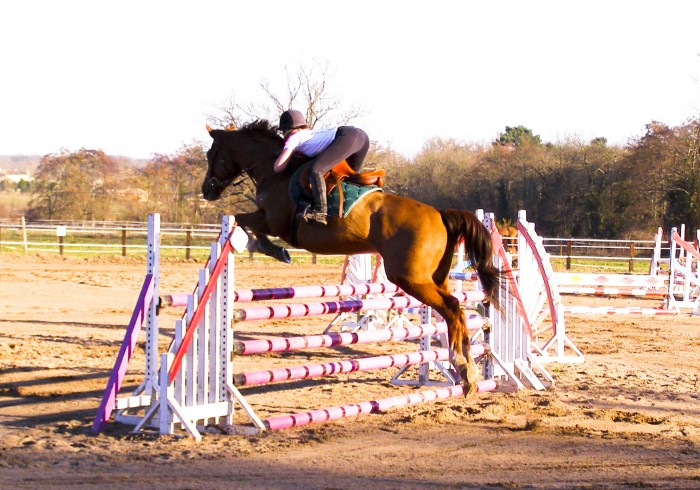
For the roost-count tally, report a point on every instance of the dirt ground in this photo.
(627, 417)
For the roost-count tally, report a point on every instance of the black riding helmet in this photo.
(291, 119)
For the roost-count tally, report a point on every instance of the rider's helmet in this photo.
(291, 119)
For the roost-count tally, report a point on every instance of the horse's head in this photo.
(251, 149)
(222, 165)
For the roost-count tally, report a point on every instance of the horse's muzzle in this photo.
(212, 189)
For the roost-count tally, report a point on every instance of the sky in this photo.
(138, 78)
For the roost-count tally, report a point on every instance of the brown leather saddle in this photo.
(339, 173)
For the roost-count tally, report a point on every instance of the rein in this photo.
(249, 173)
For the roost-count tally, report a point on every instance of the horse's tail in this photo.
(465, 226)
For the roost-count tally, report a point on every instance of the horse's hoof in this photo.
(470, 389)
(462, 372)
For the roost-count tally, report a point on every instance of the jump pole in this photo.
(288, 344)
(369, 407)
(296, 292)
(297, 310)
(358, 270)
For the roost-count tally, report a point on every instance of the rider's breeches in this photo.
(350, 144)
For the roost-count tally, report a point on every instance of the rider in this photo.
(326, 148)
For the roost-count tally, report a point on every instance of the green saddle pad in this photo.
(352, 193)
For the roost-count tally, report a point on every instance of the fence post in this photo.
(631, 266)
(60, 233)
(123, 241)
(0, 238)
(568, 255)
(188, 241)
(24, 235)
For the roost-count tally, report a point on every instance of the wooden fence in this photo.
(192, 242)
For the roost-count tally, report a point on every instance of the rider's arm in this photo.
(282, 160)
(290, 144)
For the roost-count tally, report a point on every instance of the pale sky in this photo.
(136, 78)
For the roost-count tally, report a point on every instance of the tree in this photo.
(664, 169)
(23, 186)
(683, 195)
(517, 136)
(307, 89)
(75, 186)
(172, 184)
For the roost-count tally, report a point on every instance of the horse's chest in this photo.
(262, 198)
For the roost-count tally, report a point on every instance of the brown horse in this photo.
(416, 241)
(509, 234)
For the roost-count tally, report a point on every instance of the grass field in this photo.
(13, 204)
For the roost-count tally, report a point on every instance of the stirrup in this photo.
(318, 216)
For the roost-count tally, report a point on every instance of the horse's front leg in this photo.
(261, 244)
(256, 227)
(255, 222)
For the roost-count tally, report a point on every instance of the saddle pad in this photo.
(352, 193)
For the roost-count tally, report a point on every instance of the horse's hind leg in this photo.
(448, 306)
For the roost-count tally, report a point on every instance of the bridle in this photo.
(230, 182)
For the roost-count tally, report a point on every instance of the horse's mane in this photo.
(261, 127)
(265, 129)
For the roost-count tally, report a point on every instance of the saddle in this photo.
(339, 173)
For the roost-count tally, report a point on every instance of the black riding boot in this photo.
(318, 188)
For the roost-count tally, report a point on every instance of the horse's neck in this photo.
(262, 163)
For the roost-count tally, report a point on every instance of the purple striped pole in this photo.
(335, 413)
(247, 295)
(348, 366)
(312, 309)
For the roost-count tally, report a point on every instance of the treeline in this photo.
(569, 188)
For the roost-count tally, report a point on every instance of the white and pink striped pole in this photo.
(376, 406)
(288, 344)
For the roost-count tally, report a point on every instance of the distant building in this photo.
(15, 176)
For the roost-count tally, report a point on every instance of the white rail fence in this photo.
(191, 241)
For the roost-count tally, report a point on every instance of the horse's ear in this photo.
(230, 127)
(209, 129)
